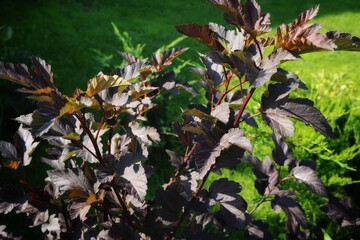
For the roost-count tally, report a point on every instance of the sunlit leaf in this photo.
(258, 230)
(222, 112)
(69, 179)
(132, 174)
(176, 159)
(308, 176)
(301, 36)
(248, 17)
(101, 82)
(161, 60)
(231, 40)
(277, 107)
(344, 41)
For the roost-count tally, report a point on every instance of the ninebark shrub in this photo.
(97, 139)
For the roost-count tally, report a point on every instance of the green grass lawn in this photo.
(66, 33)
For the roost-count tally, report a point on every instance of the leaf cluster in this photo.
(97, 141)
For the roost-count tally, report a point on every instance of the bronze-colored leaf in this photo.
(201, 33)
(301, 36)
(248, 17)
(102, 82)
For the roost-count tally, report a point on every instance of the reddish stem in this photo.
(92, 139)
(242, 108)
(123, 206)
(100, 125)
(227, 82)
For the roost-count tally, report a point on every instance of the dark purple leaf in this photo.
(8, 151)
(277, 57)
(69, 179)
(344, 41)
(133, 70)
(25, 119)
(277, 107)
(293, 211)
(267, 176)
(232, 205)
(161, 60)
(88, 145)
(187, 88)
(345, 213)
(281, 153)
(21, 152)
(279, 123)
(5, 235)
(230, 39)
(205, 159)
(25, 144)
(222, 112)
(132, 174)
(53, 225)
(258, 230)
(249, 120)
(231, 222)
(308, 176)
(215, 72)
(41, 87)
(226, 192)
(279, 92)
(302, 109)
(292, 80)
(206, 155)
(104, 174)
(128, 57)
(167, 82)
(235, 136)
(176, 159)
(258, 76)
(146, 135)
(200, 226)
(172, 201)
(79, 209)
(229, 158)
(307, 15)
(12, 197)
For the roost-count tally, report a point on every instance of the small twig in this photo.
(258, 47)
(252, 116)
(267, 195)
(186, 158)
(227, 82)
(111, 131)
(92, 139)
(65, 213)
(242, 107)
(86, 148)
(123, 206)
(188, 207)
(100, 125)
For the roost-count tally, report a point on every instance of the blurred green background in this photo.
(76, 37)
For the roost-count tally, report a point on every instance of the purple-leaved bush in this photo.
(97, 139)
